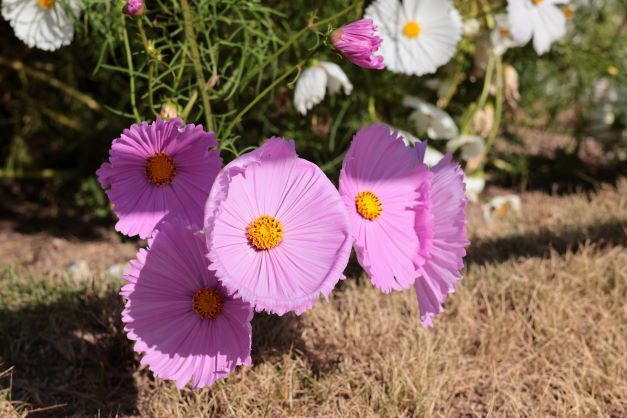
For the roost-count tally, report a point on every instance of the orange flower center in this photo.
(504, 32)
(412, 29)
(537, 2)
(45, 4)
(569, 13)
(265, 232)
(160, 169)
(207, 303)
(368, 205)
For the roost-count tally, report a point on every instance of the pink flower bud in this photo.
(358, 43)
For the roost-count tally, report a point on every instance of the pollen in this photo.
(265, 232)
(537, 2)
(368, 205)
(412, 29)
(45, 4)
(207, 303)
(160, 169)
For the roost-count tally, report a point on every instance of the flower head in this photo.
(43, 24)
(541, 19)
(189, 326)
(500, 205)
(358, 42)
(315, 81)
(277, 230)
(134, 8)
(441, 227)
(418, 35)
(501, 36)
(157, 170)
(431, 119)
(380, 183)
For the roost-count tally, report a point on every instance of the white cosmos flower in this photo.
(431, 119)
(541, 19)
(471, 146)
(418, 35)
(500, 205)
(474, 187)
(43, 24)
(501, 36)
(315, 81)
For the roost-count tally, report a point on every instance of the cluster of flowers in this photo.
(269, 232)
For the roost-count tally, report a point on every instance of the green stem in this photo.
(292, 40)
(131, 70)
(200, 78)
(483, 98)
(267, 90)
(498, 112)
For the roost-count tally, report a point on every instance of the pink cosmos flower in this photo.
(158, 170)
(381, 184)
(134, 8)
(189, 326)
(358, 42)
(441, 228)
(277, 230)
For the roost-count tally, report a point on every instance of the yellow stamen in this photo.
(412, 29)
(504, 32)
(207, 303)
(569, 13)
(160, 169)
(45, 4)
(613, 70)
(368, 205)
(265, 232)
(502, 210)
(537, 2)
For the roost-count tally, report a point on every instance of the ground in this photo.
(538, 327)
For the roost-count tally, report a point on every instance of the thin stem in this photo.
(482, 99)
(131, 70)
(498, 113)
(200, 78)
(297, 36)
(267, 90)
(53, 82)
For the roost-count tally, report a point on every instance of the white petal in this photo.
(310, 88)
(337, 78)
(520, 20)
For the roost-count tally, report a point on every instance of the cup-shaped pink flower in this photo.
(157, 170)
(441, 227)
(277, 230)
(358, 43)
(189, 327)
(381, 183)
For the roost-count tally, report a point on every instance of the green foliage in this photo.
(232, 65)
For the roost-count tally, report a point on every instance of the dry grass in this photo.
(538, 327)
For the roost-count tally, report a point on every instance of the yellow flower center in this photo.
(537, 2)
(504, 32)
(368, 205)
(207, 303)
(613, 70)
(412, 29)
(265, 232)
(160, 169)
(569, 13)
(45, 4)
(502, 210)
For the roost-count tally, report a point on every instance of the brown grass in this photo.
(538, 327)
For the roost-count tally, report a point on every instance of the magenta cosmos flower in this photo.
(187, 324)
(358, 43)
(277, 230)
(441, 229)
(159, 169)
(134, 8)
(381, 183)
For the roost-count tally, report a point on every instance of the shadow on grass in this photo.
(70, 357)
(540, 244)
